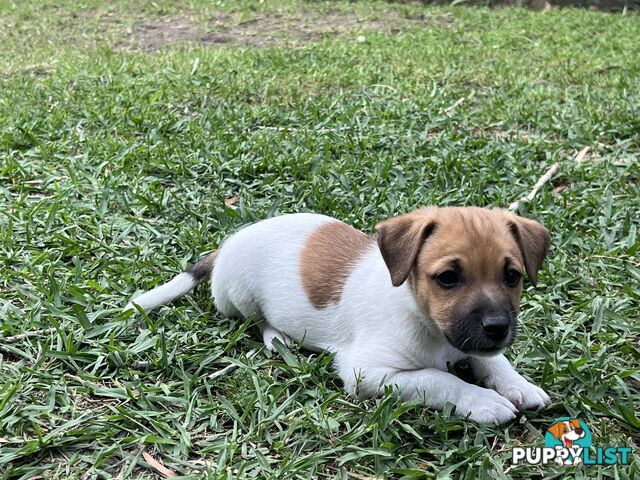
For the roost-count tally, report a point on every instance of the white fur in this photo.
(377, 331)
(170, 291)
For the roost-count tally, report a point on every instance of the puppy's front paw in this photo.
(269, 334)
(486, 406)
(523, 394)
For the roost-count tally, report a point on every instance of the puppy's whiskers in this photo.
(464, 343)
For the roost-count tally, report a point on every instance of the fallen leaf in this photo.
(560, 187)
(157, 466)
(231, 201)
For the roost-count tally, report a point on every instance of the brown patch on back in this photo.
(329, 254)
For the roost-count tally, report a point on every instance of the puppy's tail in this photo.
(177, 287)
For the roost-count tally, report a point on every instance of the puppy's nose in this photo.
(496, 327)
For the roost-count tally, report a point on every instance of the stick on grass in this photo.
(539, 184)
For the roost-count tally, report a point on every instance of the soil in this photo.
(267, 29)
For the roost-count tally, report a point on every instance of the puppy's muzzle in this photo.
(486, 329)
(496, 327)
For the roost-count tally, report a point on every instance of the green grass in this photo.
(115, 163)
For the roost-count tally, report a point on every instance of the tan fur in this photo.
(327, 259)
(533, 241)
(476, 241)
(400, 240)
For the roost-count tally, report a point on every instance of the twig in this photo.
(231, 367)
(455, 105)
(579, 158)
(539, 184)
(21, 336)
(582, 154)
(305, 129)
(141, 363)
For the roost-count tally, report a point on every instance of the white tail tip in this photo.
(166, 293)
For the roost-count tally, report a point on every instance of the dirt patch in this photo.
(267, 30)
(151, 35)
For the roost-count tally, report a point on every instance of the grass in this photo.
(117, 156)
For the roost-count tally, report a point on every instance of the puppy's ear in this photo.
(556, 429)
(400, 240)
(533, 240)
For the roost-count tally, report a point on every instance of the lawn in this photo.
(135, 136)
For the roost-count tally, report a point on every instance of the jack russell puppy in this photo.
(431, 288)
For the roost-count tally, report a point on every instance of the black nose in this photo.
(496, 327)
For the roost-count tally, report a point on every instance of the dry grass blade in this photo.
(158, 466)
(22, 336)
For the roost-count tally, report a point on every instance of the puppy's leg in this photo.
(436, 388)
(499, 375)
(245, 307)
(269, 334)
(226, 307)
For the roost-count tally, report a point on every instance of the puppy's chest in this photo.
(419, 353)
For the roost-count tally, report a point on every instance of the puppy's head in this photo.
(465, 267)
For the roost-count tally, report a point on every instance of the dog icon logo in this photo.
(569, 435)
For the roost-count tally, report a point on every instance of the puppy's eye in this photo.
(512, 277)
(448, 279)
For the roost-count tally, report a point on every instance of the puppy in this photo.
(431, 288)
